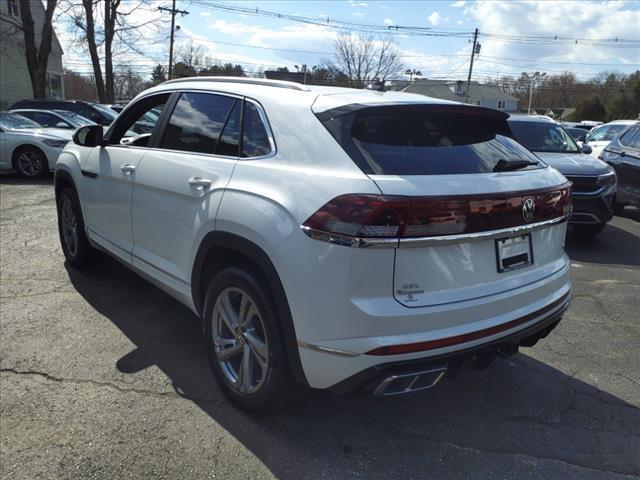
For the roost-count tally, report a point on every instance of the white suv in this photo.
(328, 237)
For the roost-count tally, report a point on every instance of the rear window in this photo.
(424, 139)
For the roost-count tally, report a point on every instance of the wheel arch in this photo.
(220, 249)
(23, 146)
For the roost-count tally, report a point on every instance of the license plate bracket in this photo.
(513, 253)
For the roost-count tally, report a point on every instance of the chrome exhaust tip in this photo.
(409, 382)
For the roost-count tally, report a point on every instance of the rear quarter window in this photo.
(425, 140)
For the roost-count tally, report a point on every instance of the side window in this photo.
(196, 122)
(135, 125)
(230, 138)
(627, 138)
(598, 134)
(46, 119)
(255, 141)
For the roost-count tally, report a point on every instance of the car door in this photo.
(108, 176)
(4, 160)
(180, 183)
(630, 167)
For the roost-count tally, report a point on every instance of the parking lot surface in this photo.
(103, 376)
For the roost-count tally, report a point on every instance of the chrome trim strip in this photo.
(250, 81)
(332, 351)
(358, 242)
(478, 236)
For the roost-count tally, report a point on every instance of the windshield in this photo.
(77, 120)
(543, 137)
(11, 120)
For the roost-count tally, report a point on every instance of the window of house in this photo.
(501, 104)
(197, 122)
(255, 140)
(54, 85)
(13, 8)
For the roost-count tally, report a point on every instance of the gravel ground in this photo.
(103, 376)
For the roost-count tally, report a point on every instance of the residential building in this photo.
(15, 83)
(479, 94)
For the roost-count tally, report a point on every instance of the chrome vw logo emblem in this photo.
(528, 208)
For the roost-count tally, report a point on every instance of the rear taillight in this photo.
(393, 216)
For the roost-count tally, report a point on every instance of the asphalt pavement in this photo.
(103, 376)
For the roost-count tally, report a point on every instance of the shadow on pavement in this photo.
(614, 246)
(518, 406)
(12, 178)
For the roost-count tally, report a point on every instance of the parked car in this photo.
(623, 154)
(594, 182)
(27, 147)
(92, 111)
(116, 107)
(54, 118)
(578, 134)
(379, 241)
(599, 137)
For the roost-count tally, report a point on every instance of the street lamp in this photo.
(412, 73)
(533, 77)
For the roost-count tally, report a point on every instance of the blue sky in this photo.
(229, 36)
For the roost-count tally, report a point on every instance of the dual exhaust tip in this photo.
(409, 382)
(400, 383)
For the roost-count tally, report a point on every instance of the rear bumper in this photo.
(377, 378)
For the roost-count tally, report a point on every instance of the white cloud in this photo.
(460, 22)
(458, 4)
(205, 14)
(355, 4)
(359, 14)
(388, 21)
(609, 19)
(434, 18)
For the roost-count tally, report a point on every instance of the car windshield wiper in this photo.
(506, 165)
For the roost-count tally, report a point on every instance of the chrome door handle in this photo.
(128, 169)
(199, 182)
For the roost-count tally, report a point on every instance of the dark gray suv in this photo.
(594, 182)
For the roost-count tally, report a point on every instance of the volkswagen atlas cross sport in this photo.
(330, 238)
(594, 182)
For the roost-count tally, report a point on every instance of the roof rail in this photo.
(252, 81)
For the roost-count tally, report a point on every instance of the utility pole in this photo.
(473, 53)
(173, 12)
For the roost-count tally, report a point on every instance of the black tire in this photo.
(31, 162)
(78, 252)
(277, 388)
(589, 230)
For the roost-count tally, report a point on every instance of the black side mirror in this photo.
(88, 136)
(586, 149)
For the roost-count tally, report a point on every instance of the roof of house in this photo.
(445, 89)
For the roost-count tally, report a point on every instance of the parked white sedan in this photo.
(27, 147)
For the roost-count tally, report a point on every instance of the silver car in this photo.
(29, 148)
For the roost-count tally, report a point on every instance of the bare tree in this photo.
(363, 57)
(191, 55)
(108, 27)
(36, 54)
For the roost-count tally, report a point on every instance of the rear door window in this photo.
(196, 122)
(425, 140)
(627, 138)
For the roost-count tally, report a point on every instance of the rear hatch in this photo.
(474, 212)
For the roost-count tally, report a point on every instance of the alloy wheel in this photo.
(240, 340)
(30, 164)
(69, 223)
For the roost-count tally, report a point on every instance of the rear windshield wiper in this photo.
(506, 165)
